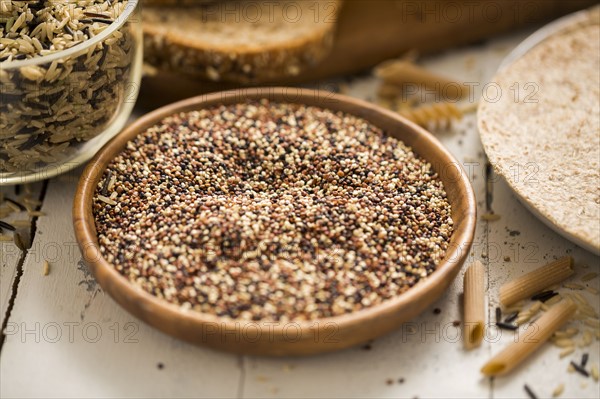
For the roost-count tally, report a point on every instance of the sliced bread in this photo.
(237, 41)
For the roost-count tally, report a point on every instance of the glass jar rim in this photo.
(116, 24)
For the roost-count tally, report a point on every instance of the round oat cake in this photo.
(543, 133)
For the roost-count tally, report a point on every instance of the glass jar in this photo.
(57, 110)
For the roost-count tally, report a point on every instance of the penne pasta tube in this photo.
(536, 281)
(404, 73)
(474, 303)
(542, 330)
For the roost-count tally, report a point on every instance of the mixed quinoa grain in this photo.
(48, 109)
(271, 211)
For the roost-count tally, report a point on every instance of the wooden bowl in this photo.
(292, 338)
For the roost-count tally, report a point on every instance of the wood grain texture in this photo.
(273, 338)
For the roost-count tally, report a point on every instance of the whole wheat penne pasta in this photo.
(592, 323)
(594, 372)
(474, 303)
(21, 223)
(592, 290)
(564, 342)
(536, 281)
(558, 390)
(542, 330)
(589, 276)
(573, 286)
(403, 72)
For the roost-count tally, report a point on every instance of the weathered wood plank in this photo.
(70, 338)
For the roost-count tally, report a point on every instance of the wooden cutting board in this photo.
(370, 31)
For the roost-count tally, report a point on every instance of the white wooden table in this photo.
(64, 337)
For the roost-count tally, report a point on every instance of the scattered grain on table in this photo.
(46, 268)
(558, 390)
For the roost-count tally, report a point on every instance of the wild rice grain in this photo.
(573, 286)
(18, 241)
(594, 372)
(529, 392)
(584, 359)
(566, 351)
(507, 326)
(17, 207)
(589, 276)
(580, 369)
(558, 390)
(564, 342)
(544, 296)
(7, 226)
(21, 223)
(46, 268)
(48, 110)
(592, 290)
(511, 317)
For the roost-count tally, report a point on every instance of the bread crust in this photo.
(240, 62)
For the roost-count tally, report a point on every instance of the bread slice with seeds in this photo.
(237, 41)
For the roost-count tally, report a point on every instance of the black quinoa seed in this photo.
(511, 317)
(580, 369)
(7, 226)
(529, 392)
